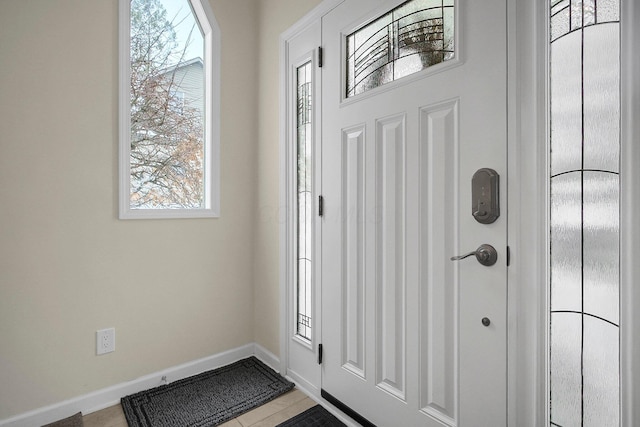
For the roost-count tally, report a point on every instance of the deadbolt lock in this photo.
(485, 196)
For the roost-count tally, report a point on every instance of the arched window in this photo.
(169, 109)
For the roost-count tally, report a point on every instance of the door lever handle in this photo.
(459, 257)
(485, 254)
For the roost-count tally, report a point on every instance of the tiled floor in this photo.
(268, 415)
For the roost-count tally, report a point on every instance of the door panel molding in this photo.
(353, 257)
(439, 286)
(390, 255)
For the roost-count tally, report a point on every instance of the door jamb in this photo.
(528, 198)
(629, 213)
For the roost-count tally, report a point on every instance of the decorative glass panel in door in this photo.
(414, 36)
(584, 176)
(304, 193)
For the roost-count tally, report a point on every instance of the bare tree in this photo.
(167, 139)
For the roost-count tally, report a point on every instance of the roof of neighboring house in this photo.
(179, 65)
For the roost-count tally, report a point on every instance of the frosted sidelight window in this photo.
(304, 194)
(414, 36)
(584, 217)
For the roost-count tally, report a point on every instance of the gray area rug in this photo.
(207, 399)
(72, 421)
(316, 416)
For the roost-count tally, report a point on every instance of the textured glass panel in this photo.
(566, 104)
(368, 49)
(377, 78)
(420, 40)
(366, 35)
(601, 367)
(576, 14)
(566, 228)
(557, 6)
(589, 12)
(602, 97)
(412, 37)
(608, 11)
(304, 188)
(351, 63)
(408, 65)
(601, 245)
(304, 300)
(449, 39)
(560, 23)
(585, 115)
(566, 381)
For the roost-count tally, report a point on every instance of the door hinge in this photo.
(508, 256)
(320, 205)
(320, 56)
(319, 354)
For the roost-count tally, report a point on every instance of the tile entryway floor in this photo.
(268, 415)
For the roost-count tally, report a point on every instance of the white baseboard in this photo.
(266, 357)
(302, 383)
(110, 396)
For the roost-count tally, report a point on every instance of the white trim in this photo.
(110, 396)
(211, 31)
(629, 214)
(316, 13)
(285, 280)
(124, 103)
(213, 94)
(268, 358)
(527, 160)
(286, 276)
(303, 384)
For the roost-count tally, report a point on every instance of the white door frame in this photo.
(528, 206)
(629, 213)
(287, 183)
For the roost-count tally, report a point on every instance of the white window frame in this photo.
(211, 32)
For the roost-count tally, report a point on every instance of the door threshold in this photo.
(347, 410)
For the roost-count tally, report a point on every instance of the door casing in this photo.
(629, 213)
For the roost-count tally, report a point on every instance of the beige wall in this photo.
(175, 290)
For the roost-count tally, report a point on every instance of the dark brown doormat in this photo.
(72, 421)
(207, 399)
(313, 417)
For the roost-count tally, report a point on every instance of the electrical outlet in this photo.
(106, 341)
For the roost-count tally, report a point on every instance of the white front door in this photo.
(410, 337)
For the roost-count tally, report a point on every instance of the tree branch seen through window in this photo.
(167, 108)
